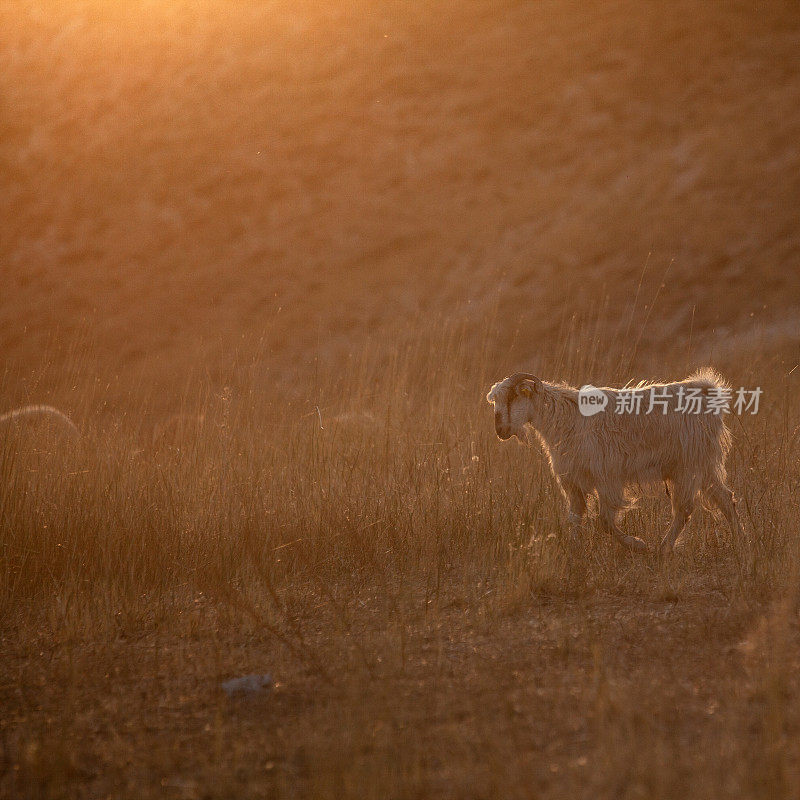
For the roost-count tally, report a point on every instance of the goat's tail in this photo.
(709, 378)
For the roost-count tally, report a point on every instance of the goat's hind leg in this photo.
(722, 497)
(607, 518)
(682, 506)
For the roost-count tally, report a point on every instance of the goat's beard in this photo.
(526, 434)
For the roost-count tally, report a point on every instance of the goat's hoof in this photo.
(664, 550)
(635, 544)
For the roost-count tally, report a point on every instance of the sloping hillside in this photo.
(293, 180)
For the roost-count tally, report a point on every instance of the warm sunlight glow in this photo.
(263, 262)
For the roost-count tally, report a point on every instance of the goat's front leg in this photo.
(576, 502)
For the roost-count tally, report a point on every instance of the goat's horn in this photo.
(518, 377)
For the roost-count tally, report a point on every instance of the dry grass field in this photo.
(269, 257)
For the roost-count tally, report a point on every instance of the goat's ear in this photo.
(529, 386)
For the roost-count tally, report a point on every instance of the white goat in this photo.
(610, 453)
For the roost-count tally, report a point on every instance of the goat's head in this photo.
(512, 399)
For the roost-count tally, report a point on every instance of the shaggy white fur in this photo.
(610, 453)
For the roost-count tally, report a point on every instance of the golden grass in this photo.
(378, 566)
